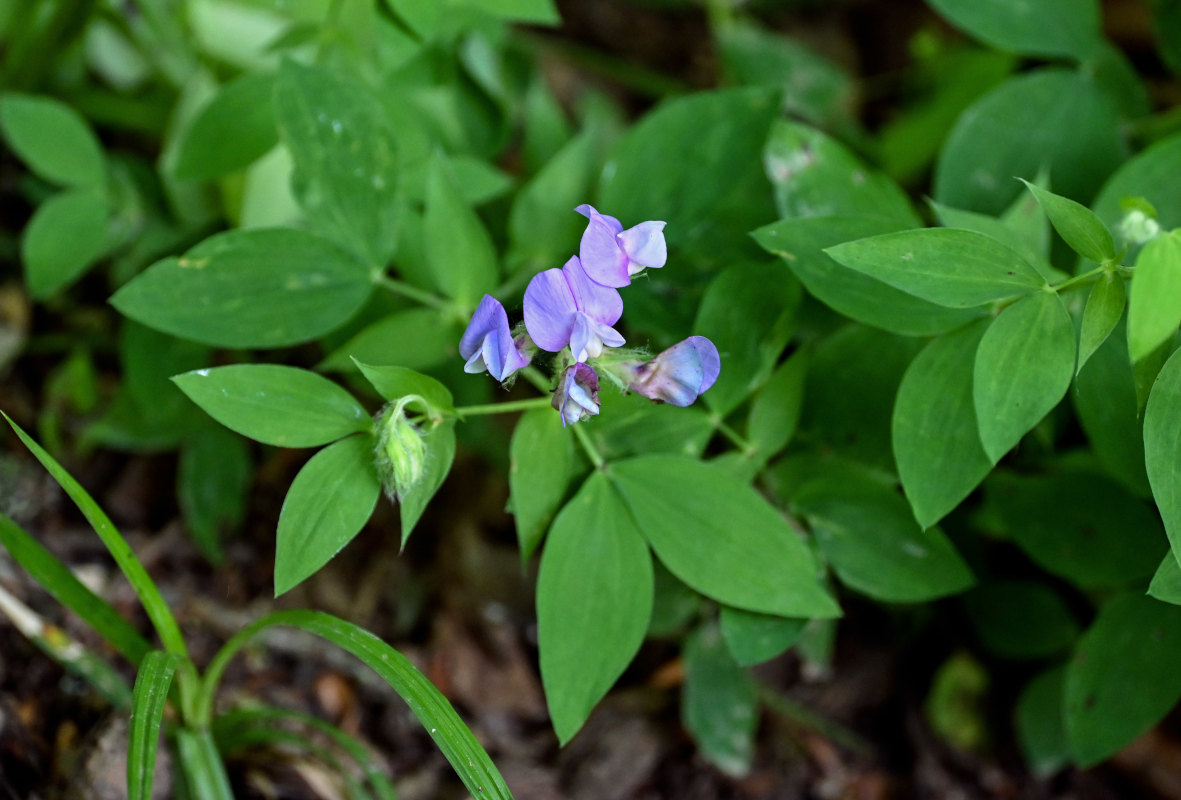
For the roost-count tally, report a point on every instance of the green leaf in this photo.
(1022, 369)
(1004, 232)
(214, 474)
(1162, 446)
(249, 288)
(748, 311)
(1105, 307)
(234, 129)
(147, 714)
(418, 338)
(951, 267)
(1135, 642)
(328, 503)
(1021, 619)
(543, 226)
(1166, 583)
(1148, 174)
(753, 638)
(719, 703)
(454, 739)
(1079, 525)
(1076, 224)
(1040, 723)
(65, 236)
(52, 139)
(934, 431)
(1049, 28)
(801, 242)
(594, 599)
(541, 460)
(201, 765)
(721, 537)
(1052, 119)
(57, 579)
(1154, 301)
(344, 151)
(440, 452)
(632, 425)
(394, 382)
(147, 592)
(775, 412)
(274, 404)
(458, 247)
(869, 537)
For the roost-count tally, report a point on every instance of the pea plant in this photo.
(821, 391)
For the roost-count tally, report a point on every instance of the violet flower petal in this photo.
(680, 374)
(645, 246)
(601, 303)
(549, 310)
(590, 212)
(577, 395)
(602, 257)
(488, 343)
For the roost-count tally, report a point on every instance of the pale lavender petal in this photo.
(549, 310)
(490, 316)
(601, 254)
(608, 335)
(680, 374)
(577, 395)
(602, 303)
(512, 358)
(580, 339)
(589, 212)
(645, 246)
(711, 362)
(492, 356)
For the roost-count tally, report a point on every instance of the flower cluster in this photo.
(571, 311)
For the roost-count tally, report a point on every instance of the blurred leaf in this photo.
(65, 236)
(232, 131)
(674, 605)
(430, 17)
(1134, 642)
(955, 705)
(934, 431)
(249, 288)
(330, 500)
(418, 338)
(721, 537)
(543, 227)
(1162, 447)
(1104, 309)
(633, 425)
(719, 703)
(53, 140)
(1021, 619)
(1154, 300)
(951, 267)
(147, 715)
(1148, 174)
(1076, 224)
(753, 638)
(1050, 28)
(1040, 722)
(541, 457)
(775, 412)
(1166, 583)
(458, 247)
(213, 477)
(1167, 24)
(594, 599)
(1022, 369)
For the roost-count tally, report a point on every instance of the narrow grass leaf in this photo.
(149, 698)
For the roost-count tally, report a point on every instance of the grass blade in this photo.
(147, 713)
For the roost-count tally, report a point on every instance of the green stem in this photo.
(503, 408)
(746, 447)
(801, 715)
(592, 452)
(413, 293)
(1085, 277)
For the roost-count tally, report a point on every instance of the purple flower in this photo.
(610, 255)
(678, 375)
(488, 343)
(577, 395)
(565, 307)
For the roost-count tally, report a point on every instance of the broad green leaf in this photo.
(1052, 119)
(719, 703)
(813, 175)
(145, 589)
(749, 312)
(1079, 525)
(776, 409)
(633, 425)
(870, 538)
(1047, 28)
(1104, 309)
(1105, 400)
(429, 18)
(234, 129)
(721, 537)
(934, 431)
(66, 235)
(1022, 369)
(393, 382)
(440, 452)
(345, 158)
(674, 605)
(52, 139)
(753, 638)
(57, 579)
(458, 247)
(1148, 174)
(541, 459)
(1162, 447)
(543, 227)
(274, 404)
(1146, 370)
(800, 243)
(328, 503)
(454, 739)
(997, 228)
(594, 599)
(213, 477)
(249, 288)
(1166, 583)
(1154, 300)
(1040, 723)
(951, 267)
(1076, 224)
(1021, 619)
(1123, 678)
(1167, 25)
(147, 715)
(418, 338)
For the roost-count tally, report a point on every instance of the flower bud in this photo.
(401, 451)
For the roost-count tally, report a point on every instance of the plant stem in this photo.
(746, 447)
(798, 713)
(413, 293)
(1086, 276)
(503, 408)
(592, 452)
